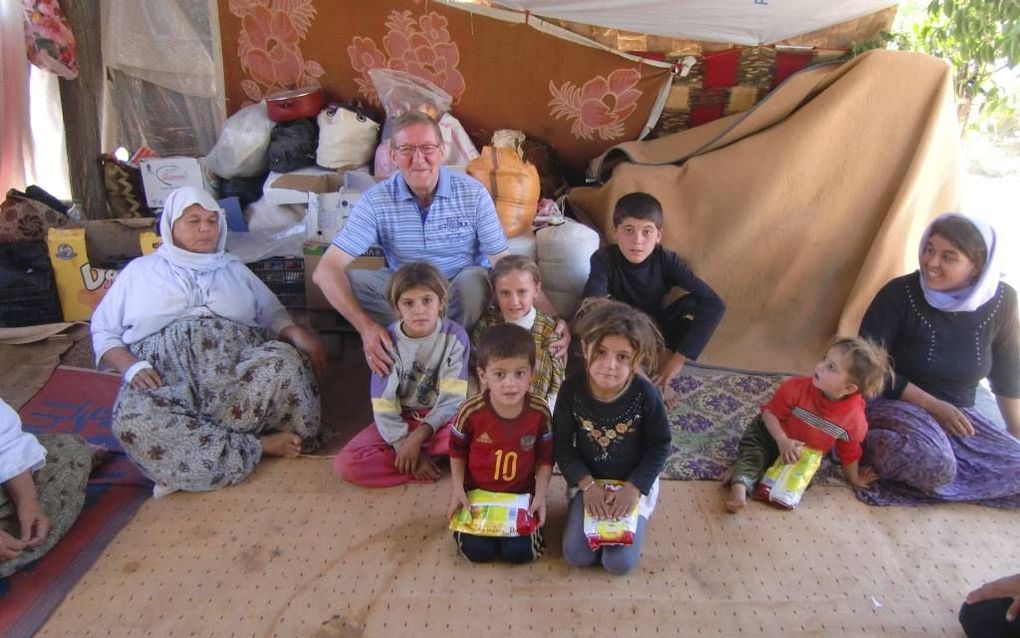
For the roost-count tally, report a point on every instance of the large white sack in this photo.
(564, 259)
(525, 244)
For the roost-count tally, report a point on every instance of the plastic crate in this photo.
(285, 276)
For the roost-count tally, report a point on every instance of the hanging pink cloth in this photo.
(15, 143)
(49, 40)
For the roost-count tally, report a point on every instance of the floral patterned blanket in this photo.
(716, 406)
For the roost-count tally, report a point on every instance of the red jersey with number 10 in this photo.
(502, 454)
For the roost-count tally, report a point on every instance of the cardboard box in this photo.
(329, 195)
(327, 214)
(78, 256)
(281, 189)
(328, 211)
(314, 299)
(162, 175)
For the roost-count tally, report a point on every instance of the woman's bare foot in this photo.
(100, 455)
(285, 444)
(738, 498)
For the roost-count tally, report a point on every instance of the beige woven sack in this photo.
(513, 184)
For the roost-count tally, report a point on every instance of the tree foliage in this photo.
(980, 39)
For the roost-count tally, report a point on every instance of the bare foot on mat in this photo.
(100, 455)
(285, 444)
(738, 498)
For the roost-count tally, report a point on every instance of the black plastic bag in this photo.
(292, 145)
(27, 288)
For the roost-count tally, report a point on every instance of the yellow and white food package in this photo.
(784, 483)
(606, 531)
(495, 514)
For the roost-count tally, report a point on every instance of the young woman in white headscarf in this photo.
(947, 326)
(216, 374)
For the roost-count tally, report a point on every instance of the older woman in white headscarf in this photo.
(214, 376)
(947, 326)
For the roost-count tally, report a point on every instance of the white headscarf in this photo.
(972, 297)
(156, 290)
(173, 208)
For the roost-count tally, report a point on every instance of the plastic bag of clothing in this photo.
(459, 148)
(399, 93)
(292, 145)
(347, 137)
(241, 149)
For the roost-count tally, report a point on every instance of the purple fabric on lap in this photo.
(919, 463)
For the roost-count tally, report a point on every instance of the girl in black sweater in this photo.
(610, 424)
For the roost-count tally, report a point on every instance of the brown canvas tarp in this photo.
(798, 211)
(500, 72)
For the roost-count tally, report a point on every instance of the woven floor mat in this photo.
(294, 552)
(715, 408)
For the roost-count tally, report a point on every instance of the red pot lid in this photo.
(290, 94)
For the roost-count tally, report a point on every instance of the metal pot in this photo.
(294, 104)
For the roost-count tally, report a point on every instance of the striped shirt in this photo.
(806, 415)
(459, 229)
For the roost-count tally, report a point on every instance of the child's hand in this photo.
(10, 547)
(559, 347)
(595, 501)
(789, 450)
(623, 500)
(865, 477)
(458, 499)
(537, 509)
(34, 524)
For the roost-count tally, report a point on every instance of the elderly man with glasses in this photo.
(424, 212)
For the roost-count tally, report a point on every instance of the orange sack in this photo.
(513, 184)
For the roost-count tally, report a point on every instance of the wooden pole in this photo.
(80, 100)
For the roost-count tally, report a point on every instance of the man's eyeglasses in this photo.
(408, 150)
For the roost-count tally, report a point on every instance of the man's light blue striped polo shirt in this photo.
(459, 229)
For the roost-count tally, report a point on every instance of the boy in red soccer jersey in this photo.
(502, 442)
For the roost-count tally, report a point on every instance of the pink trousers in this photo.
(368, 460)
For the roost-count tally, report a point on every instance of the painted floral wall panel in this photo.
(500, 74)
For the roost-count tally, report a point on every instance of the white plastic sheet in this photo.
(748, 22)
(162, 88)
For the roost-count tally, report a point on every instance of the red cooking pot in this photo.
(294, 104)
